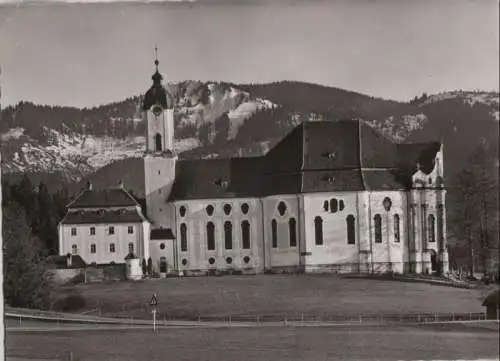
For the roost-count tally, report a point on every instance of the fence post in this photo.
(20, 319)
(229, 319)
(360, 318)
(435, 316)
(302, 317)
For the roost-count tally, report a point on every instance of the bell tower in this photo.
(158, 113)
(159, 156)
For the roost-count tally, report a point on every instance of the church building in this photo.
(331, 196)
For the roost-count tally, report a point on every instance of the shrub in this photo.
(73, 302)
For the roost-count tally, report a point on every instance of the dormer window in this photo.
(221, 183)
(328, 178)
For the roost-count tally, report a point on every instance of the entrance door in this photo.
(434, 262)
(163, 265)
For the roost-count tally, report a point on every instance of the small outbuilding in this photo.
(492, 304)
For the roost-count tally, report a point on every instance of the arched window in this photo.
(210, 236)
(184, 242)
(245, 234)
(325, 206)
(431, 228)
(210, 209)
(440, 226)
(318, 230)
(397, 236)
(292, 228)
(378, 228)
(341, 205)
(130, 247)
(351, 232)
(74, 249)
(274, 232)
(158, 142)
(334, 205)
(92, 248)
(228, 235)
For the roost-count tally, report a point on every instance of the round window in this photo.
(162, 246)
(211, 260)
(184, 262)
(229, 260)
(246, 259)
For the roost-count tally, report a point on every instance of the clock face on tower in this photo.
(157, 110)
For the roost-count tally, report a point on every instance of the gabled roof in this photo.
(216, 178)
(102, 216)
(320, 156)
(90, 198)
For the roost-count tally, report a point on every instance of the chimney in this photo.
(89, 186)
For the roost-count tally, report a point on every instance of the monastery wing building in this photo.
(332, 196)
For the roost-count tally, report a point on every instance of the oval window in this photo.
(182, 211)
(245, 208)
(229, 260)
(210, 210)
(184, 262)
(227, 209)
(162, 246)
(246, 259)
(211, 260)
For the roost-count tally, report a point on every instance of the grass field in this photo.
(252, 344)
(275, 295)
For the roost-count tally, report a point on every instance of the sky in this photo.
(92, 54)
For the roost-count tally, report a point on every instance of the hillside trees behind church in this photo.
(24, 266)
(42, 209)
(473, 223)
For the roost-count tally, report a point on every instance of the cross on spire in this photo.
(156, 57)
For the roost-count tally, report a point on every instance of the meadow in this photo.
(278, 295)
(252, 344)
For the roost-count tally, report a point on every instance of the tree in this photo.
(150, 266)
(24, 267)
(474, 221)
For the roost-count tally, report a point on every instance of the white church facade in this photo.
(330, 197)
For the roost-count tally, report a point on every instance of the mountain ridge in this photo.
(219, 119)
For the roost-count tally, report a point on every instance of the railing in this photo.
(254, 319)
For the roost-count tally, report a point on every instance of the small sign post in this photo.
(154, 303)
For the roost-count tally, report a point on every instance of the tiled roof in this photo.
(91, 198)
(216, 178)
(102, 216)
(161, 233)
(62, 261)
(314, 157)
